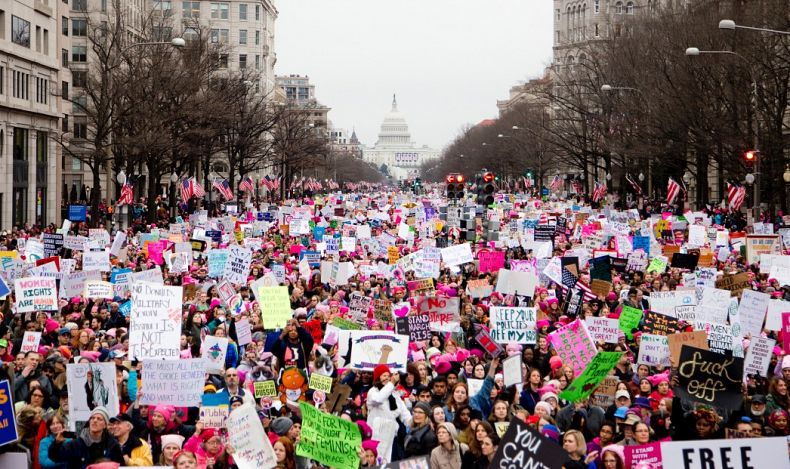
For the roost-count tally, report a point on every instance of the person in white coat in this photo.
(387, 414)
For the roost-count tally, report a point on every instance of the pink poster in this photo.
(491, 261)
(574, 345)
(155, 252)
(649, 453)
(786, 332)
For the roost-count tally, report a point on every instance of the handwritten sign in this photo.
(758, 356)
(709, 378)
(30, 341)
(657, 323)
(598, 368)
(275, 306)
(98, 289)
(603, 329)
(524, 447)
(36, 294)
(237, 266)
(574, 345)
(155, 328)
(417, 327)
(173, 382)
(444, 312)
(251, 446)
(513, 325)
(629, 320)
(654, 350)
(327, 439)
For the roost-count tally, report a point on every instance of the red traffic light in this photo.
(450, 179)
(488, 177)
(460, 178)
(750, 155)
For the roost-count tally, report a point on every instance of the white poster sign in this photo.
(155, 328)
(173, 382)
(91, 385)
(371, 348)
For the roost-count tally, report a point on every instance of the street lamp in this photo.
(641, 177)
(731, 25)
(610, 88)
(608, 176)
(177, 42)
(687, 177)
(121, 177)
(173, 180)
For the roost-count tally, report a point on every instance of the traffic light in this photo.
(486, 189)
(750, 158)
(455, 186)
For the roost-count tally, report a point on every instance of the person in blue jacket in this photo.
(55, 425)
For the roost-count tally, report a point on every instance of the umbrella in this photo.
(73, 194)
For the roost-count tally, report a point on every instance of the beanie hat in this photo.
(380, 370)
(555, 362)
(372, 446)
(423, 407)
(365, 430)
(102, 411)
(165, 411)
(450, 429)
(543, 405)
(616, 449)
(172, 439)
(551, 431)
(281, 425)
(207, 434)
(786, 362)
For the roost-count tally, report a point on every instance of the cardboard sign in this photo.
(709, 378)
(601, 288)
(513, 325)
(746, 453)
(251, 446)
(698, 339)
(603, 396)
(735, 283)
(524, 447)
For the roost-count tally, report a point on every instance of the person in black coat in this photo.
(421, 439)
(293, 347)
(94, 444)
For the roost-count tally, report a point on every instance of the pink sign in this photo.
(649, 453)
(155, 252)
(574, 345)
(786, 332)
(491, 261)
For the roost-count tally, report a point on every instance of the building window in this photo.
(243, 61)
(557, 12)
(64, 123)
(242, 36)
(2, 80)
(257, 38)
(20, 31)
(191, 9)
(41, 146)
(190, 34)
(64, 26)
(242, 12)
(79, 5)
(596, 6)
(219, 11)
(219, 35)
(79, 27)
(257, 12)
(79, 78)
(78, 104)
(42, 90)
(64, 58)
(629, 8)
(618, 8)
(223, 61)
(2, 24)
(80, 130)
(64, 89)
(557, 36)
(76, 164)
(104, 6)
(21, 84)
(20, 144)
(597, 31)
(79, 53)
(257, 62)
(46, 41)
(163, 6)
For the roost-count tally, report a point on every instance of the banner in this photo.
(710, 378)
(444, 312)
(574, 345)
(251, 446)
(371, 348)
(91, 385)
(275, 306)
(173, 382)
(743, 453)
(513, 325)
(330, 440)
(593, 374)
(155, 327)
(417, 327)
(8, 431)
(36, 294)
(523, 447)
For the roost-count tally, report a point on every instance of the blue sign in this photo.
(116, 272)
(125, 308)
(313, 258)
(545, 191)
(259, 216)
(642, 242)
(78, 212)
(8, 432)
(318, 233)
(4, 290)
(215, 235)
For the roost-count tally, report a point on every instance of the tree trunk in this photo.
(153, 189)
(95, 195)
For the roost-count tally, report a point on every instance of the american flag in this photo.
(197, 188)
(577, 186)
(127, 195)
(634, 185)
(568, 279)
(588, 293)
(296, 183)
(271, 184)
(599, 192)
(556, 183)
(186, 190)
(736, 194)
(247, 184)
(673, 189)
(223, 188)
(527, 183)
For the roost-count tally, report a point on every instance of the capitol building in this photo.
(395, 149)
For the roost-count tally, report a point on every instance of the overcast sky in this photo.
(448, 61)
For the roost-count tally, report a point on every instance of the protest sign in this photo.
(173, 382)
(574, 345)
(251, 447)
(513, 325)
(603, 395)
(444, 312)
(761, 244)
(654, 350)
(745, 453)
(214, 409)
(97, 289)
(30, 342)
(275, 306)
(422, 286)
(493, 348)
(265, 388)
(382, 311)
(8, 431)
(149, 276)
(358, 306)
(524, 447)
(603, 329)
(735, 283)
(237, 266)
(321, 383)
(597, 369)
(96, 260)
(491, 261)
(327, 439)
(417, 327)
(629, 320)
(91, 385)
(36, 294)
(4, 289)
(52, 243)
(698, 339)
(600, 288)
(720, 336)
(709, 378)
(649, 453)
(510, 282)
(457, 254)
(752, 310)
(656, 323)
(217, 259)
(214, 351)
(758, 356)
(479, 288)
(371, 348)
(243, 331)
(155, 328)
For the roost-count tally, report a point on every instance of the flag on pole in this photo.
(246, 185)
(186, 190)
(556, 183)
(223, 188)
(736, 194)
(634, 185)
(127, 195)
(197, 188)
(577, 186)
(673, 189)
(599, 192)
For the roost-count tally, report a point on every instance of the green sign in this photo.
(593, 374)
(345, 324)
(275, 306)
(330, 440)
(321, 383)
(657, 264)
(265, 388)
(629, 320)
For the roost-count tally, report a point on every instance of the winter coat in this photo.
(79, 454)
(43, 454)
(420, 441)
(443, 458)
